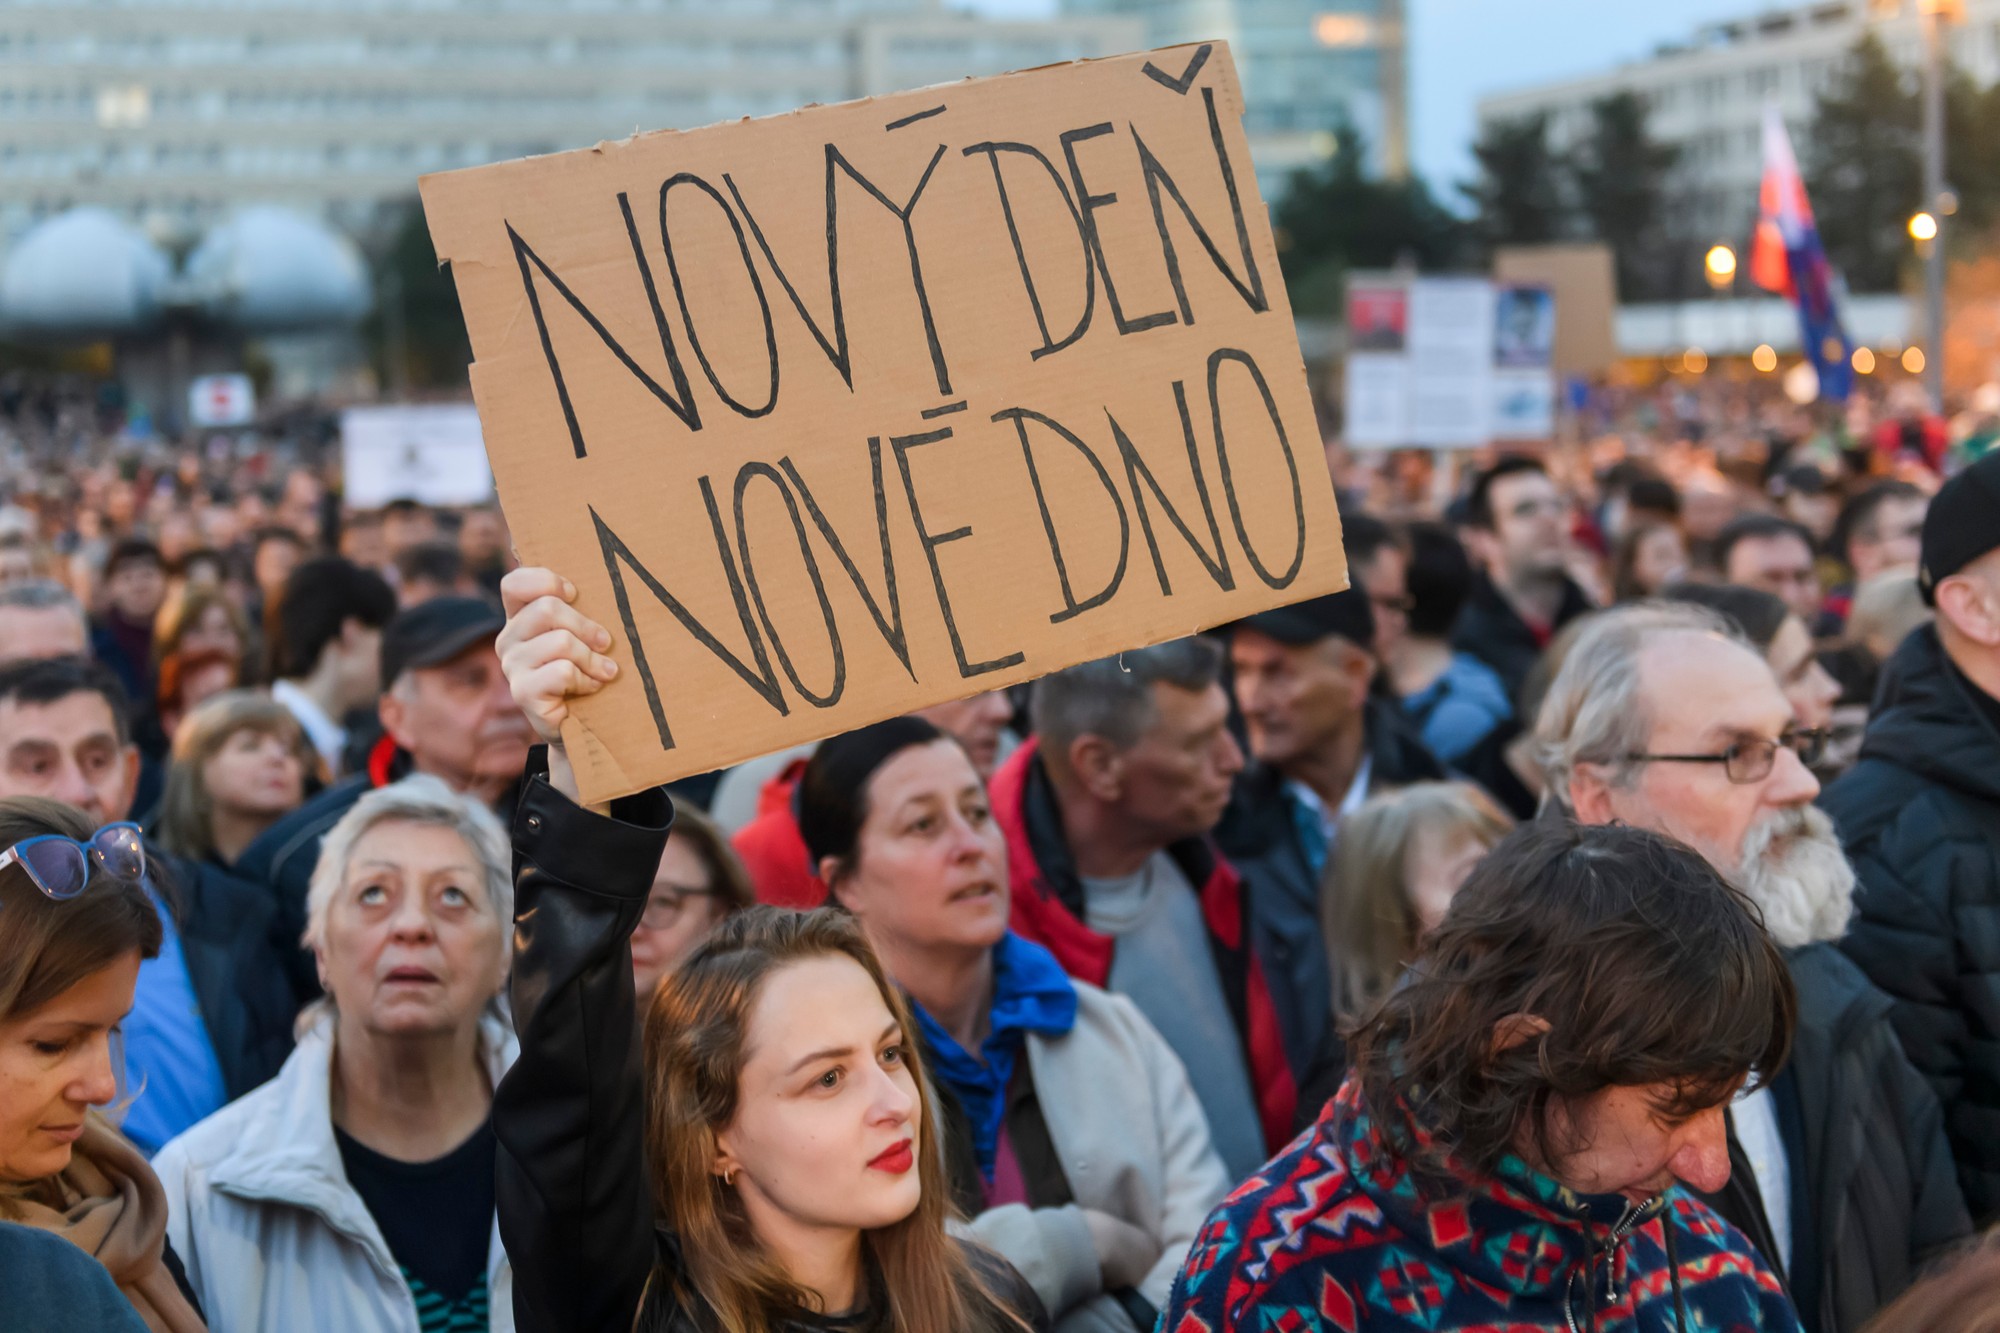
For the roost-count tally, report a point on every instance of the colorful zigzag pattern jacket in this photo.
(1339, 1232)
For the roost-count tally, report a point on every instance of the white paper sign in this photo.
(221, 400)
(432, 453)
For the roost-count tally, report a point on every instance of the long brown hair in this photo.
(46, 947)
(1650, 969)
(695, 1045)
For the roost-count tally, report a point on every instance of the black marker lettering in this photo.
(1021, 416)
(836, 351)
(1135, 468)
(748, 473)
(756, 284)
(993, 151)
(892, 626)
(902, 212)
(616, 553)
(1215, 362)
(903, 444)
(1156, 176)
(1089, 204)
(682, 406)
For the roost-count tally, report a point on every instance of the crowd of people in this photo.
(1588, 920)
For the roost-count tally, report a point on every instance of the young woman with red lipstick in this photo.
(766, 1159)
(75, 922)
(1072, 1137)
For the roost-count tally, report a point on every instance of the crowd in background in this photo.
(1152, 917)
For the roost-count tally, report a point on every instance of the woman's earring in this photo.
(729, 1178)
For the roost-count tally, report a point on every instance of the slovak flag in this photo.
(1787, 258)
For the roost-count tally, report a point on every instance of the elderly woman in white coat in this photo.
(1071, 1135)
(355, 1189)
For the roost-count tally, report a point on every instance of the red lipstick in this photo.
(895, 1160)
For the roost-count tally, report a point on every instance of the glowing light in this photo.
(1913, 360)
(1923, 227)
(1343, 30)
(1765, 359)
(1721, 263)
(1694, 360)
(1864, 361)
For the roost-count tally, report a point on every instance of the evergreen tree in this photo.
(1337, 217)
(1519, 196)
(1621, 188)
(1864, 166)
(436, 349)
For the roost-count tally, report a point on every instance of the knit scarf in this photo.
(1031, 993)
(109, 1204)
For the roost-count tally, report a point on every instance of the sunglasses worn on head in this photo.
(60, 866)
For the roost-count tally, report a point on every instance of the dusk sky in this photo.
(1463, 49)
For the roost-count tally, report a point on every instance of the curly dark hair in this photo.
(1647, 967)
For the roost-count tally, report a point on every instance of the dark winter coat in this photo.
(1261, 839)
(232, 945)
(1490, 629)
(1875, 1196)
(1920, 817)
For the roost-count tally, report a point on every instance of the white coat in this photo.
(1133, 1142)
(274, 1238)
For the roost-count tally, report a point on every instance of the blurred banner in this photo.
(1448, 362)
(433, 453)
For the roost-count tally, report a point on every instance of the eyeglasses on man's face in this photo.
(1752, 758)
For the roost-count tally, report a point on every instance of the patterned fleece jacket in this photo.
(1338, 1232)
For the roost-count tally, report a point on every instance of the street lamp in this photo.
(1923, 228)
(1721, 266)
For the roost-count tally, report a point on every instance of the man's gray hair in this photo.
(1113, 696)
(417, 799)
(1593, 712)
(41, 595)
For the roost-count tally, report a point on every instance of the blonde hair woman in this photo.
(1399, 860)
(239, 765)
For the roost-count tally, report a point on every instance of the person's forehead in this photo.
(411, 842)
(75, 719)
(814, 1004)
(1776, 548)
(1179, 710)
(1517, 486)
(1694, 683)
(920, 770)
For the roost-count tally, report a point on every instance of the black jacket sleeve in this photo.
(576, 1213)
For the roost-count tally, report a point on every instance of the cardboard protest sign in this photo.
(846, 412)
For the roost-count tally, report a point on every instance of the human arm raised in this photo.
(576, 1213)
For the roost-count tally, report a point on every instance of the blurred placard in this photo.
(1447, 362)
(221, 400)
(842, 413)
(1584, 283)
(1524, 384)
(430, 452)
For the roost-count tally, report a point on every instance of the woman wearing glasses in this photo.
(700, 884)
(75, 923)
(355, 1190)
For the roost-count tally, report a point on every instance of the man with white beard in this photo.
(1663, 718)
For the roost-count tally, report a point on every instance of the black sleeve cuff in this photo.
(616, 854)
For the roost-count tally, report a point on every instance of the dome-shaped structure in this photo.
(83, 272)
(270, 269)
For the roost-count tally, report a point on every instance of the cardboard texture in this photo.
(850, 411)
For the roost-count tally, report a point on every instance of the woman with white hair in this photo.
(355, 1189)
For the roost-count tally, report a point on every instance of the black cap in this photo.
(433, 632)
(1345, 615)
(1962, 524)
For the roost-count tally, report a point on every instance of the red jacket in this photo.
(773, 850)
(1047, 905)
